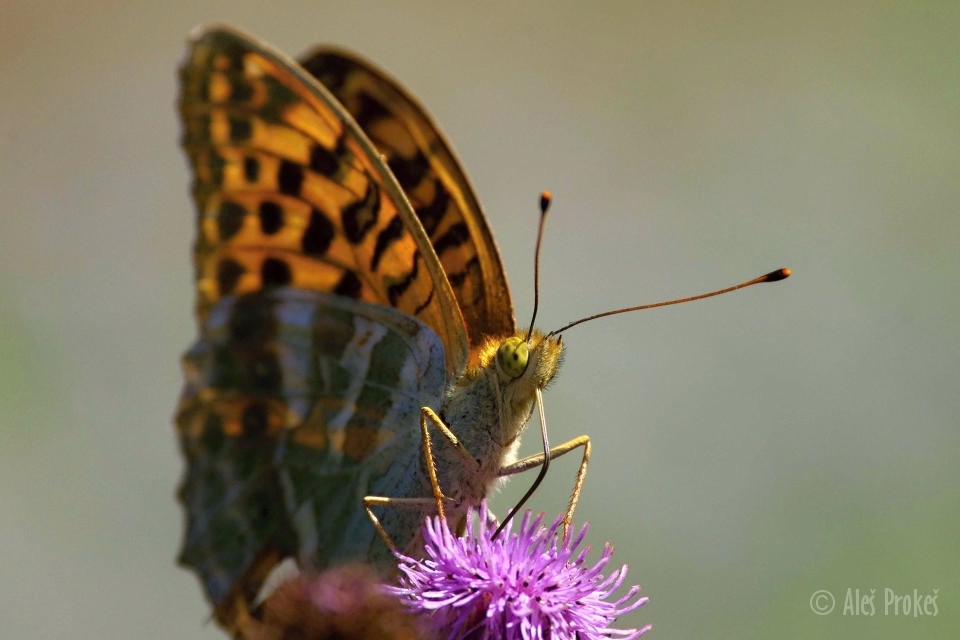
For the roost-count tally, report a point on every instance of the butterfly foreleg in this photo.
(536, 460)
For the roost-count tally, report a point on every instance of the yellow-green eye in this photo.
(512, 357)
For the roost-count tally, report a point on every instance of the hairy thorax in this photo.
(487, 409)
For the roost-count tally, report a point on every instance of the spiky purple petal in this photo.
(525, 585)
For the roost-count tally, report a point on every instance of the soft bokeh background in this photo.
(749, 450)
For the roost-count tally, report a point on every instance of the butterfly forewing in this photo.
(433, 180)
(290, 192)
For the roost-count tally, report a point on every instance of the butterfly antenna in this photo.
(545, 199)
(773, 276)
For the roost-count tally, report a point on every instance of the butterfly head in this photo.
(517, 356)
(529, 362)
(524, 364)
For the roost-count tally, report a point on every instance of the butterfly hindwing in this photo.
(296, 405)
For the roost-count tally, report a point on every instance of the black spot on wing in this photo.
(389, 234)
(240, 130)
(431, 213)
(228, 275)
(275, 272)
(323, 160)
(318, 235)
(271, 217)
(367, 110)
(456, 235)
(409, 171)
(349, 285)
(290, 178)
(360, 216)
(230, 217)
(240, 90)
(279, 98)
(251, 169)
(330, 69)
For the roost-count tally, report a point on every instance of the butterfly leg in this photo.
(427, 416)
(536, 460)
(380, 501)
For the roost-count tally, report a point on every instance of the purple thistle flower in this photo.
(522, 586)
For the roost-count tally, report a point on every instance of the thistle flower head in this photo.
(523, 585)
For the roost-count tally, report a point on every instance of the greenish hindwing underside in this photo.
(296, 405)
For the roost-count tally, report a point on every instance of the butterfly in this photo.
(351, 302)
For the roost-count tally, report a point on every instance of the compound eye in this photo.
(512, 357)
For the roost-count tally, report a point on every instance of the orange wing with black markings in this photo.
(290, 191)
(433, 180)
(345, 275)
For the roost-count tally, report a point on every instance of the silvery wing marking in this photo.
(296, 405)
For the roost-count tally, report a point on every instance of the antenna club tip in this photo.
(545, 198)
(779, 274)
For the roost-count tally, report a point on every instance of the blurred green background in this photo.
(749, 450)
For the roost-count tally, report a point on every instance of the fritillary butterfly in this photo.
(350, 298)
(346, 278)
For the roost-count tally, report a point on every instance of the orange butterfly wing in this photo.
(433, 180)
(291, 192)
